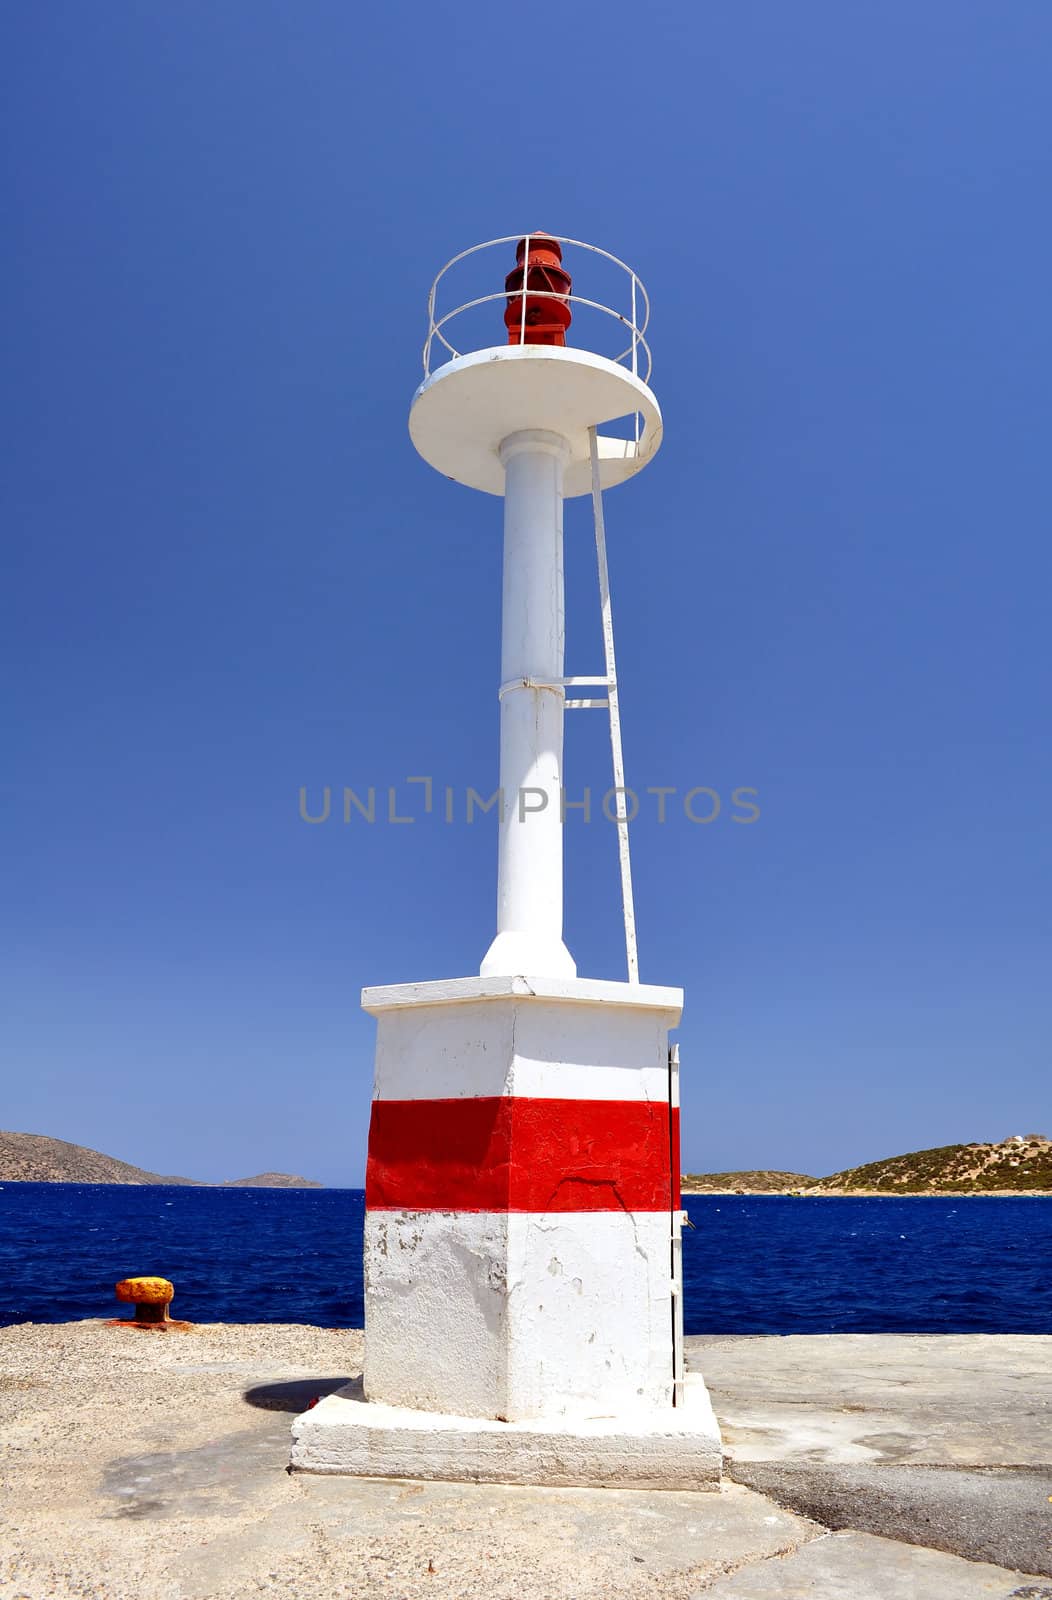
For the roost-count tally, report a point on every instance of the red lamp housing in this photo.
(546, 319)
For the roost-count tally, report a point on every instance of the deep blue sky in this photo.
(230, 576)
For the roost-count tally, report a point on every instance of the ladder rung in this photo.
(556, 683)
(586, 705)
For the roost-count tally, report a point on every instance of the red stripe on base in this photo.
(511, 1153)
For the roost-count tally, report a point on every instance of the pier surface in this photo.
(153, 1464)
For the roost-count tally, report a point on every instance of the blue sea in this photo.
(752, 1264)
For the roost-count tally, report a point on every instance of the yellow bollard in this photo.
(151, 1298)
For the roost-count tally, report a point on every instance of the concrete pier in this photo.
(930, 1439)
(863, 1468)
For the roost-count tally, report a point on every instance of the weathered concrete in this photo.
(152, 1466)
(938, 1399)
(999, 1514)
(676, 1448)
(855, 1566)
(941, 1440)
(516, 1265)
(146, 1467)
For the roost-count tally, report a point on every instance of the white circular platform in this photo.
(463, 411)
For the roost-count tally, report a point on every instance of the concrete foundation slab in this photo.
(142, 1469)
(998, 1514)
(677, 1448)
(857, 1566)
(934, 1439)
(844, 1399)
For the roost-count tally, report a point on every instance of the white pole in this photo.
(530, 867)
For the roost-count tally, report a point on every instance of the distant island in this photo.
(272, 1180)
(35, 1158)
(745, 1182)
(1021, 1164)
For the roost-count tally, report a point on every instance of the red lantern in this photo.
(547, 318)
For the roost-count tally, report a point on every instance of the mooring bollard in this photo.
(151, 1298)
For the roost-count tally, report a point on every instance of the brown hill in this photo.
(748, 1182)
(34, 1158)
(1016, 1164)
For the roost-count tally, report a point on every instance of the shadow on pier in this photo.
(294, 1396)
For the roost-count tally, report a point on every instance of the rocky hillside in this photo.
(1019, 1163)
(273, 1180)
(744, 1182)
(34, 1158)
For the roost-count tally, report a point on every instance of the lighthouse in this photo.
(523, 1302)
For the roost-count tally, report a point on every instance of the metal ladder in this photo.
(611, 703)
(677, 1218)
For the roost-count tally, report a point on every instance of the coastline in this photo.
(352, 1188)
(871, 1194)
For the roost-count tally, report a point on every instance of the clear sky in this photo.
(229, 576)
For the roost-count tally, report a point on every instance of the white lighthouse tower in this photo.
(522, 1303)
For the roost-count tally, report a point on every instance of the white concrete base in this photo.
(494, 1297)
(518, 1315)
(677, 1448)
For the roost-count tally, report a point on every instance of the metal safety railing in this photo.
(637, 303)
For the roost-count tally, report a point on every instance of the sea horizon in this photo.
(753, 1263)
